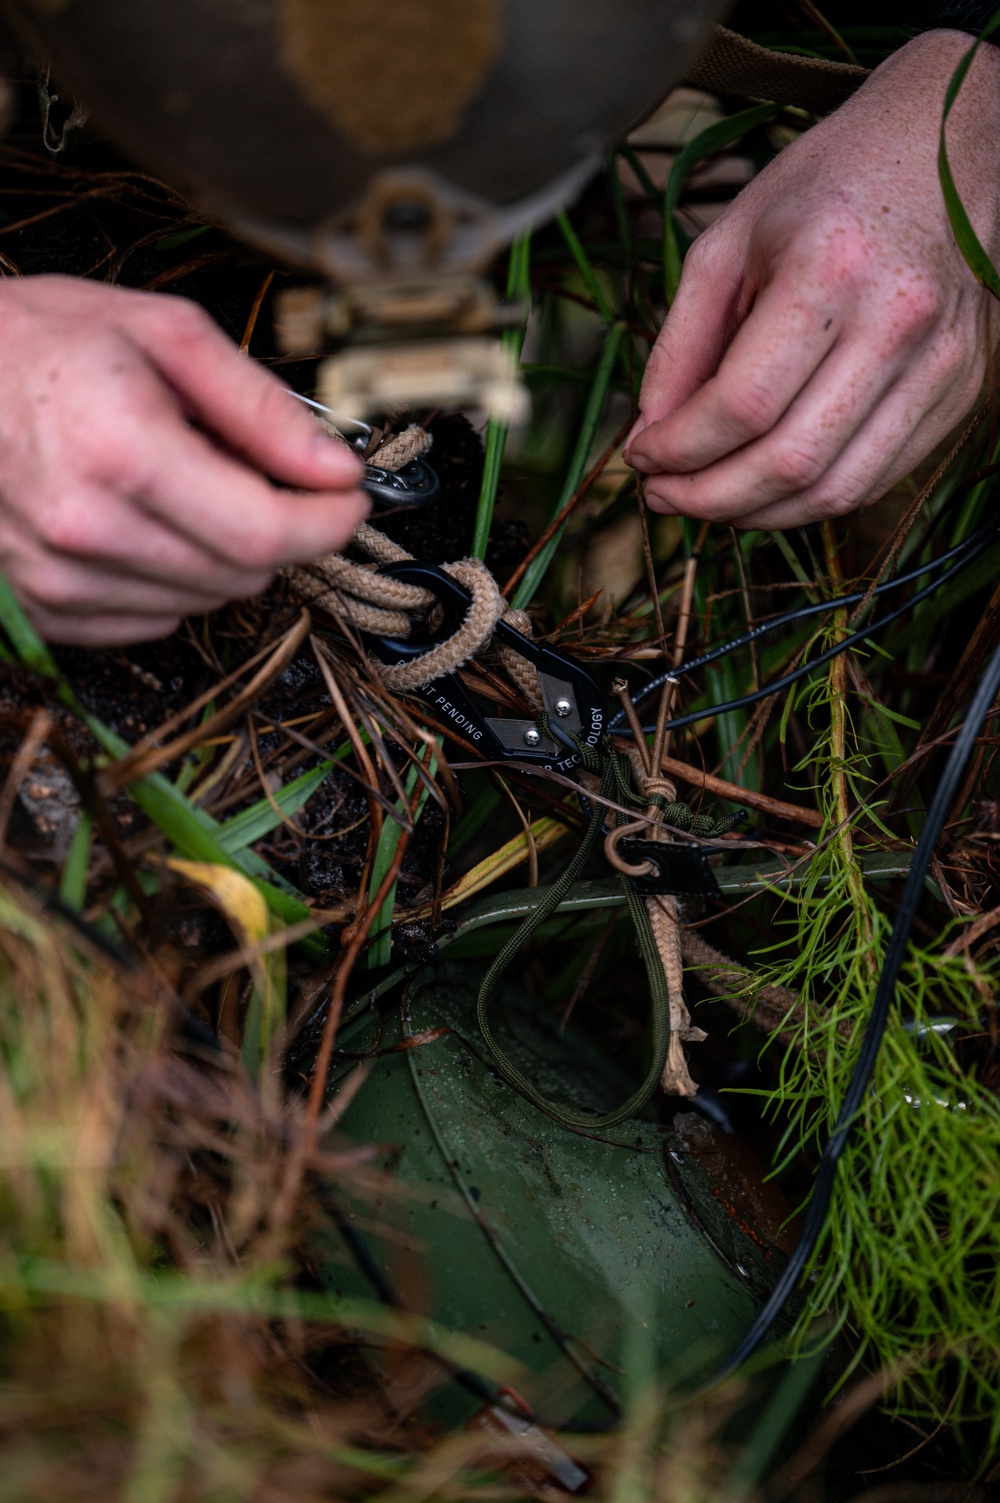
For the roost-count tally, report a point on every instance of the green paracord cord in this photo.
(614, 779)
(616, 782)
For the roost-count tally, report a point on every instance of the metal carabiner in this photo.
(573, 701)
(416, 484)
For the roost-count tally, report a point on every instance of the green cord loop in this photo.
(616, 783)
(574, 1118)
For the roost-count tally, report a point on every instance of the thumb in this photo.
(237, 401)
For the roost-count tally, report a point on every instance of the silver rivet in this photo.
(532, 737)
(563, 707)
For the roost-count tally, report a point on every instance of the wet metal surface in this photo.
(566, 1251)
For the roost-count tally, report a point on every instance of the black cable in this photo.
(972, 545)
(615, 724)
(819, 1202)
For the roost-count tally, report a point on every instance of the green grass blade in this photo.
(594, 410)
(585, 269)
(976, 257)
(772, 1428)
(195, 836)
(26, 642)
(193, 832)
(792, 560)
(73, 882)
(380, 949)
(646, 182)
(261, 818)
(182, 237)
(709, 141)
(518, 287)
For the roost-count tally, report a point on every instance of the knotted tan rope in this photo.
(664, 919)
(775, 1009)
(312, 586)
(355, 592)
(387, 607)
(488, 605)
(402, 449)
(382, 549)
(518, 669)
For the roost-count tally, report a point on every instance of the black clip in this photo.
(416, 484)
(573, 701)
(679, 870)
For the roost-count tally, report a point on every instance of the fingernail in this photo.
(642, 464)
(335, 457)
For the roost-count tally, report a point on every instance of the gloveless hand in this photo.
(827, 332)
(135, 443)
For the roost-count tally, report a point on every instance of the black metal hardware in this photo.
(416, 484)
(567, 687)
(680, 870)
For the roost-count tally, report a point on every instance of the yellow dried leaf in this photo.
(544, 832)
(240, 901)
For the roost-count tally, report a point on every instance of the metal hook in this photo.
(612, 841)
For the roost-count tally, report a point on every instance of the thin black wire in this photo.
(819, 607)
(819, 1203)
(615, 724)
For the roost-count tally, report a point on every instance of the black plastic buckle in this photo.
(573, 701)
(681, 871)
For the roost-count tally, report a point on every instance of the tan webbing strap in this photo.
(732, 64)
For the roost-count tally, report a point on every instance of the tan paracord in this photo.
(664, 920)
(376, 603)
(387, 607)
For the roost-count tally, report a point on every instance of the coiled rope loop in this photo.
(382, 606)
